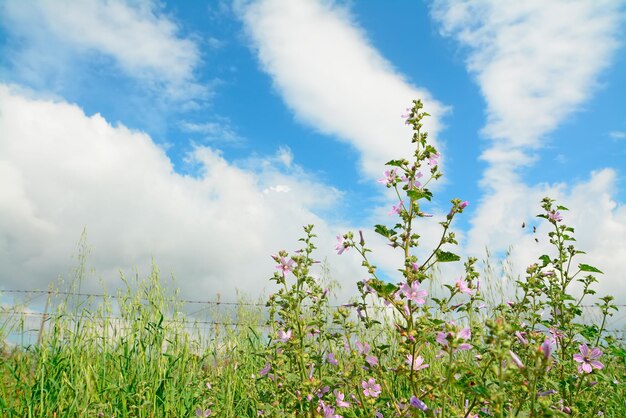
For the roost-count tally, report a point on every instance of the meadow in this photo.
(413, 348)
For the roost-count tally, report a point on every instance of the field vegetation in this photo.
(410, 348)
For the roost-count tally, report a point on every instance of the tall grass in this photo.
(138, 355)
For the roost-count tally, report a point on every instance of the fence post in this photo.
(43, 319)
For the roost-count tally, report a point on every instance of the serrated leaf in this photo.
(384, 231)
(419, 194)
(395, 163)
(445, 256)
(383, 289)
(587, 267)
(388, 289)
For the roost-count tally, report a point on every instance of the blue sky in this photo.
(204, 134)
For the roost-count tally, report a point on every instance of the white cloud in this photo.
(61, 171)
(327, 72)
(599, 222)
(617, 135)
(220, 131)
(141, 41)
(536, 62)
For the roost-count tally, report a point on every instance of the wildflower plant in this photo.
(441, 355)
(405, 347)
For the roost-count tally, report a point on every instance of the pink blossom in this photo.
(284, 336)
(328, 411)
(413, 183)
(371, 360)
(516, 360)
(546, 348)
(330, 358)
(416, 403)
(555, 216)
(390, 177)
(587, 359)
(370, 388)
(442, 338)
(412, 292)
(416, 363)
(285, 266)
(320, 393)
(407, 115)
(465, 334)
(342, 245)
(463, 287)
(339, 397)
(520, 337)
(396, 209)
(363, 348)
(432, 160)
(265, 369)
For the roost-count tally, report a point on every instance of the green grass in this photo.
(138, 355)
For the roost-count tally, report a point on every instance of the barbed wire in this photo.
(206, 302)
(188, 323)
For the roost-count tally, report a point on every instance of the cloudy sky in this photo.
(204, 135)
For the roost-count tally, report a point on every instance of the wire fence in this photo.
(34, 321)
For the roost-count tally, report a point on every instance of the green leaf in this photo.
(559, 207)
(587, 267)
(419, 194)
(387, 289)
(384, 231)
(445, 256)
(382, 288)
(395, 163)
(545, 259)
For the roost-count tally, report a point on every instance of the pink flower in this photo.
(397, 209)
(330, 358)
(416, 403)
(413, 183)
(203, 413)
(442, 338)
(465, 334)
(342, 245)
(520, 337)
(370, 388)
(285, 266)
(432, 160)
(555, 216)
(546, 348)
(406, 115)
(371, 360)
(463, 287)
(390, 177)
(516, 360)
(363, 348)
(416, 363)
(412, 292)
(587, 359)
(320, 393)
(464, 204)
(283, 336)
(265, 369)
(328, 411)
(339, 398)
